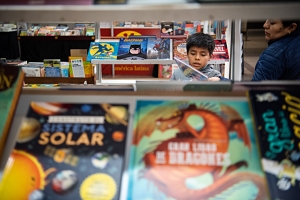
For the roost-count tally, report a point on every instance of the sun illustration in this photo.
(23, 173)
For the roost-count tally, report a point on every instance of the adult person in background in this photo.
(281, 59)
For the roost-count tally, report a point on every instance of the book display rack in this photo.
(158, 140)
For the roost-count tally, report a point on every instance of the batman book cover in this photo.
(133, 48)
(276, 114)
(103, 50)
(159, 48)
(68, 151)
(196, 149)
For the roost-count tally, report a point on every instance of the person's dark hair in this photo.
(201, 40)
(287, 23)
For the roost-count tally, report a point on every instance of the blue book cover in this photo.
(132, 49)
(103, 50)
(195, 149)
(159, 48)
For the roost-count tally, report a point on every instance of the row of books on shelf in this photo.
(60, 30)
(140, 48)
(213, 148)
(76, 67)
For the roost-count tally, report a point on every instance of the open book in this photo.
(190, 72)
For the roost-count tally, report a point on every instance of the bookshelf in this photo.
(151, 10)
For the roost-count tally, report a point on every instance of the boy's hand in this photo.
(214, 79)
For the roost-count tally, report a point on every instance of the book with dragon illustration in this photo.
(196, 149)
(276, 114)
(103, 50)
(68, 151)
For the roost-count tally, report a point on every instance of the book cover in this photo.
(159, 48)
(276, 114)
(221, 51)
(88, 68)
(103, 50)
(68, 151)
(190, 28)
(196, 149)
(166, 28)
(132, 48)
(77, 67)
(52, 67)
(11, 81)
(165, 71)
(179, 48)
(179, 27)
(190, 72)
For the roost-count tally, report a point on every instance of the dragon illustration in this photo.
(171, 178)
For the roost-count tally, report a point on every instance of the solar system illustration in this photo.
(68, 151)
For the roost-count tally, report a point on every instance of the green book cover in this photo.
(11, 79)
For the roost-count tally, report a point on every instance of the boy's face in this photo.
(198, 57)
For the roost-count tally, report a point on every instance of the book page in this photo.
(190, 72)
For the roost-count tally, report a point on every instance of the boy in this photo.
(199, 48)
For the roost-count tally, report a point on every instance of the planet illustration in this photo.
(30, 128)
(115, 114)
(48, 108)
(36, 195)
(64, 181)
(118, 136)
(24, 173)
(100, 160)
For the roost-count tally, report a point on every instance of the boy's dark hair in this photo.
(201, 40)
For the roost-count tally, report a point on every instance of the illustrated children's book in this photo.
(166, 28)
(68, 151)
(159, 48)
(276, 114)
(165, 71)
(190, 72)
(133, 48)
(195, 149)
(179, 27)
(103, 50)
(11, 81)
(179, 48)
(221, 51)
(52, 67)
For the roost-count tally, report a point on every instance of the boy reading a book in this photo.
(199, 48)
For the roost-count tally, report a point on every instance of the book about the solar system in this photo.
(195, 149)
(68, 151)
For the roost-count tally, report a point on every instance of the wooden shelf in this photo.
(55, 80)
